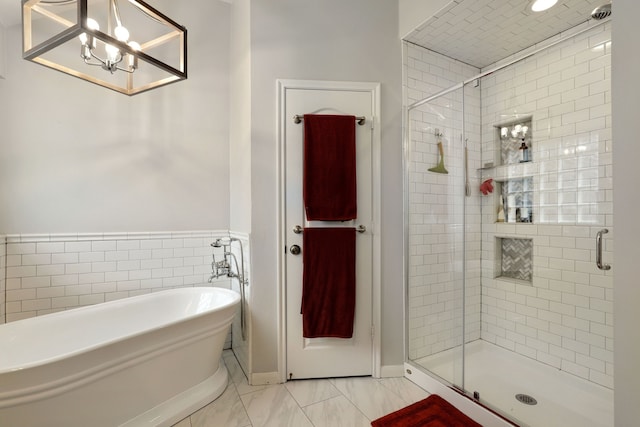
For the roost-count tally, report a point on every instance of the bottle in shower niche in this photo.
(524, 152)
(500, 217)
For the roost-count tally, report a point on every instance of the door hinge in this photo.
(373, 332)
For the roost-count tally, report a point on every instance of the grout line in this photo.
(244, 408)
(351, 401)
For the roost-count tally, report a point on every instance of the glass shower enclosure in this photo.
(507, 234)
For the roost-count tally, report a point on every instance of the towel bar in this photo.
(299, 118)
(299, 230)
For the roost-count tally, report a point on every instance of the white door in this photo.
(327, 357)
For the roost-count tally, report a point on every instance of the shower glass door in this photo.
(505, 300)
(435, 244)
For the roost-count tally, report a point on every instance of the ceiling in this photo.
(476, 32)
(482, 32)
(10, 12)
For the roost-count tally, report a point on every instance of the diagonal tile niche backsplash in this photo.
(517, 259)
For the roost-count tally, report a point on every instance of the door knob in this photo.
(295, 250)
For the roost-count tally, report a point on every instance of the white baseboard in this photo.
(389, 371)
(264, 378)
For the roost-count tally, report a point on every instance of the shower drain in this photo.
(526, 399)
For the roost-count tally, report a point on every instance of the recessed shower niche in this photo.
(514, 141)
(515, 258)
(512, 171)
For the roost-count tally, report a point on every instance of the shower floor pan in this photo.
(563, 400)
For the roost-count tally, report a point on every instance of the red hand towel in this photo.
(328, 282)
(329, 182)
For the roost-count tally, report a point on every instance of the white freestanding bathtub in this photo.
(149, 360)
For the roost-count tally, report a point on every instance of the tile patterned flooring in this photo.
(348, 402)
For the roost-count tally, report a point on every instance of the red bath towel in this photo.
(328, 282)
(329, 181)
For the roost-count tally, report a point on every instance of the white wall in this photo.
(80, 158)
(240, 104)
(329, 40)
(3, 54)
(626, 110)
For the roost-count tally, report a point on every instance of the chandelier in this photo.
(127, 45)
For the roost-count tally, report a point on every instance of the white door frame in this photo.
(374, 89)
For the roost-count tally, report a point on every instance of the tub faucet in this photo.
(225, 268)
(219, 268)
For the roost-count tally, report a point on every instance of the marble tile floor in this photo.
(348, 402)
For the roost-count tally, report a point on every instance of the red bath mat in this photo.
(433, 411)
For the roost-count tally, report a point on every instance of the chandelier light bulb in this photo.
(93, 25)
(133, 59)
(112, 53)
(121, 33)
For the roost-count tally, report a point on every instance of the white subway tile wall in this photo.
(53, 272)
(3, 259)
(564, 317)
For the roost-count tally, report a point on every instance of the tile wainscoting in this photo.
(53, 272)
(3, 256)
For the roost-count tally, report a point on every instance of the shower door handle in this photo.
(599, 263)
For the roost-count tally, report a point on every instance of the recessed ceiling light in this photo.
(540, 5)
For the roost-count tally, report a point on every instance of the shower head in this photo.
(218, 243)
(224, 241)
(601, 12)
